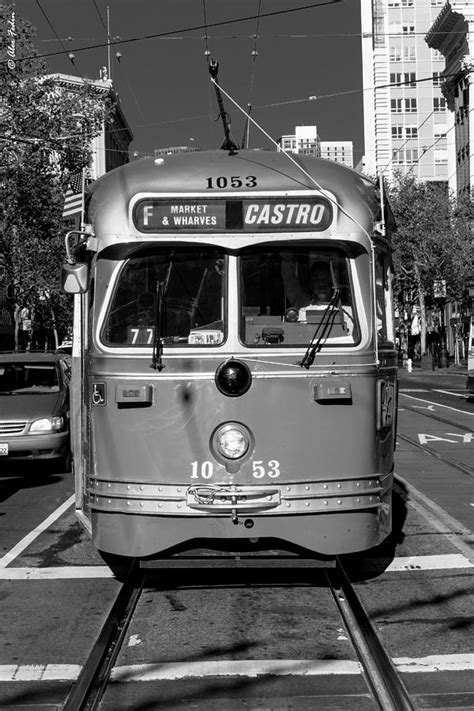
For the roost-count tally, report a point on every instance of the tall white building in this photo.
(406, 125)
(305, 140)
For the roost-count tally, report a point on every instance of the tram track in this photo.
(460, 466)
(384, 683)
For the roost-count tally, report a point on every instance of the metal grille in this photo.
(12, 427)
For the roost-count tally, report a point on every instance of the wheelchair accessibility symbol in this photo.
(98, 394)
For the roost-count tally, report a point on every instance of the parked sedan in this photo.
(34, 408)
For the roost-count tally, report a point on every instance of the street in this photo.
(56, 593)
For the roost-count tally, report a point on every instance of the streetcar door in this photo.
(78, 422)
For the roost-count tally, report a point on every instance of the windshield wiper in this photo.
(157, 361)
(321, 331)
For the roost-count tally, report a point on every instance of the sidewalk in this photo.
(451, 370)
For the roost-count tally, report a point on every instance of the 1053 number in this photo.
(235, 181)
(260, 469)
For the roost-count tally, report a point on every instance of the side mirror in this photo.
(74, 278)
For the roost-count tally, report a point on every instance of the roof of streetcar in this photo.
(186, 174)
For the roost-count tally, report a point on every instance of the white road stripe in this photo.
(233, 668)
(237, 667)
(451, 392)
(403, 564)
(72, 572)
(438, 404)
(435, 663)
(28, 539)
(425, 562)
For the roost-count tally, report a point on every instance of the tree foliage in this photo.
(45, 137)
(432, 245)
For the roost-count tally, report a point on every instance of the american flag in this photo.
(74, 198)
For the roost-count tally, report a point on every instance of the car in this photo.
(34, 408)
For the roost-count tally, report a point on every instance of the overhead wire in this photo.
(100, 17)
(70, 55)
(158, 35)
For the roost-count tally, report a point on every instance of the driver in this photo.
(319, 290)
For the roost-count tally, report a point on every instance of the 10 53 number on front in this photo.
(260, 469)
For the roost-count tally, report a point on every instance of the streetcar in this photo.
(234, 365)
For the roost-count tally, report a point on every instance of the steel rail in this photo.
(88, 689)
(431, 415)
(384, 682)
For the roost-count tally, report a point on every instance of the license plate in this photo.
(3, 449)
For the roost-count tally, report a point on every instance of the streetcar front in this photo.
(237, 357)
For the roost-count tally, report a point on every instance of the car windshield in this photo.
(180, 291)
(287, 295)
(21, 378)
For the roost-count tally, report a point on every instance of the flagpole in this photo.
(83, 200)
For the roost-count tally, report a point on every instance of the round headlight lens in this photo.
(232, 441)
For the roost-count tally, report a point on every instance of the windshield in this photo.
(192, 308)
(287, 294)
(21, 378)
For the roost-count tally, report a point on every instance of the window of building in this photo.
(410, 106)
(394, 3)
(395, 54)
(408, 29)
(437, 3)
(403, 78)
(440, 131)
(396, 106)
(409, 54)
(395, 28)
(411, 131)
(436, 78)
(408, 3)
(441, 156)
(436, 55)
(439, 104)
(397, 131)
(411, 156)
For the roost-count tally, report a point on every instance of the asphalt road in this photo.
(208, 643)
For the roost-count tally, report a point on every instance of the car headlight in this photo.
(47, 424)
(231, 440)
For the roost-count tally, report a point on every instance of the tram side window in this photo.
(286, 294)
(383, 298)
(192, 308)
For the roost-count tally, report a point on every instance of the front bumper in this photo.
(45, 446)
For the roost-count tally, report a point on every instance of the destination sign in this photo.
(233, 215)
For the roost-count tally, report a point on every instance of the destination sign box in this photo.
(233, 215)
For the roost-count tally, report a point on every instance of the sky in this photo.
(163, 82)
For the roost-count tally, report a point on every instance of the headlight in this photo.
(47, 424)
(231, 440)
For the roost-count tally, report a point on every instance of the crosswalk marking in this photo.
(249, 668)
(448, 561)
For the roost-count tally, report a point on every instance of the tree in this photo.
(45, 137)
(431, 245)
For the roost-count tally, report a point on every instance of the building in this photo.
(452, 34)
(306, 141)
(110, 148)
(407, 128)
(339, 152)
(175, 150)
